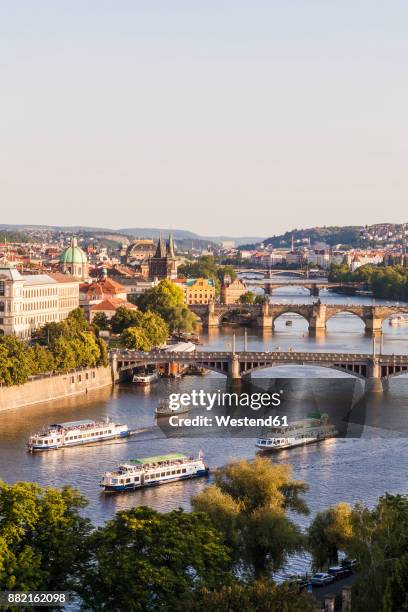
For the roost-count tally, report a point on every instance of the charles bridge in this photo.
(237, 365)
(316, 314)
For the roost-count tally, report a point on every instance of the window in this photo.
(2, 288)
(2, 307)
(183, 471)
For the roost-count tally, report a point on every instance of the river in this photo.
(336, 470)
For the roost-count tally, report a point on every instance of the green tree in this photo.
(17, 364)
(41, 536)
(256, 596)
(247, 298)
(124, 318)
(136, 338)
(155, 328)
(42, 359)
(396, 589)
(100, 321)
(329, 533)
(64, 355)
(247, 503)
(142, 560)
(167, 300)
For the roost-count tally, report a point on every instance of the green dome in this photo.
(73, 254)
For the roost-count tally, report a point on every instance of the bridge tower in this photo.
(317, 322)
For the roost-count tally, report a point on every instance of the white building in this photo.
(28, 302)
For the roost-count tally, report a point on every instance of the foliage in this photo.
(41, 536)
(140, 330)
(247, 503)
(396, 590)
(380, 538)
(257, 596)
(144, 560)
(100, 321)
(207, 267)
(124, 318)
(389, 282)
(135, 338)
(167, 300)
(247, 298)
(329, 533)
(60, 347)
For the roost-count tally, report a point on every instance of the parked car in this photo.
(298, 581)
(321, 579)
(351, 563)
(339, 571)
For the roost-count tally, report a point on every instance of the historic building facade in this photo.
(164, 263)
(28, 302)
(199, 291)
(231, 291)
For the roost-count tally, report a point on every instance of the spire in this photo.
(161, 248)
(170, 247)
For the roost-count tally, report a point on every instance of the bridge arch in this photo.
(289, 310)
(338, 312)
(290, 285)
(357, 373)
(237, 310)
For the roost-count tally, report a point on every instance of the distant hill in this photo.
(332, 235)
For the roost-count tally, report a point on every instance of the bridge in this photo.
(271, 272)
(241, 364)
(316, 314)
(313, 285)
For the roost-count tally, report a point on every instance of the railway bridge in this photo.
(316, 314)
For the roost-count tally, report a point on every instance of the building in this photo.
(28, 302)
(140, 250)
(74, 261)
(199, 291)
(108, 307)
(232, 291)
(164, 263)
(97, 291)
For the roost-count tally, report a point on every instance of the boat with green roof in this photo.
(153, 471)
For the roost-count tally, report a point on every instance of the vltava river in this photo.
(336, 470)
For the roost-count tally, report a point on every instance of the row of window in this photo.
(77, 437)
(149, 476)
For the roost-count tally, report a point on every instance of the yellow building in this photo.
(199, 291)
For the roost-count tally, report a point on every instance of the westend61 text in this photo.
(227, 421)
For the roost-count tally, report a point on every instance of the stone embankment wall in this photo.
(47, 388)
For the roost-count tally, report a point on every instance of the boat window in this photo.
(173, 471)
(147, 477)
(114, 480)
(127, 479)
(163, 474)
(178, 471)
(121, 480)
(183, 471)
(136, 478)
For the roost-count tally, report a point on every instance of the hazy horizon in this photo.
(224, 118)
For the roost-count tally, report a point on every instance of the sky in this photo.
(242, 118)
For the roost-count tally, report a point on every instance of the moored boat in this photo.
(298, 433)
(398, 320)
(152, 471)
(164, 409)
(75, 433)
(145, 378)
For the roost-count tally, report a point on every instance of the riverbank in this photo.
(46, 388)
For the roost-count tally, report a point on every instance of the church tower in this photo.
(164, 263)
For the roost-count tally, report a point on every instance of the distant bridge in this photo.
(317, 314)
(313, 285)
(236, 365)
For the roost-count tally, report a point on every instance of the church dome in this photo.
(74, 254)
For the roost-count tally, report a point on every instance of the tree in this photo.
(256, 596)
(41, 536)
(167, 300)
(142, 560)
(155, 328)
(124, 318)
(247, 298)
(15, 361)
(42, 359)
(136, 338)
(100, 321)
(330, 532)
(396, 590)
(247, 503)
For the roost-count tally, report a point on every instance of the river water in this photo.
(336, 470)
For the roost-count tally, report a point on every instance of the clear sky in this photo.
(219, 116)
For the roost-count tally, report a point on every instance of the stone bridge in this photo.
(316, 314)
(313, 286)
(236, 365)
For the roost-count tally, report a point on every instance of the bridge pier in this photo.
(234, 370)
(314, 290)
(374, 383)
(212, 318)
(373, 325)
(317, 321)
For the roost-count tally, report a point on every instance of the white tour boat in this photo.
(74, 433)
(305, 431)
(151, 471)
(145, 378)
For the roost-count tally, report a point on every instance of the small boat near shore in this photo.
(153, 471)
(305, 431)
(145, 379)
(164, 409)
(398, 320)
(75, 433)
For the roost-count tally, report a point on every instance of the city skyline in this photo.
(228, 119)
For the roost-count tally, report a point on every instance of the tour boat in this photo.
(164, 410)
(146, 378)
(305, 431)
(289, 322)
(74, 433)
(398, 320)
(152, 471)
